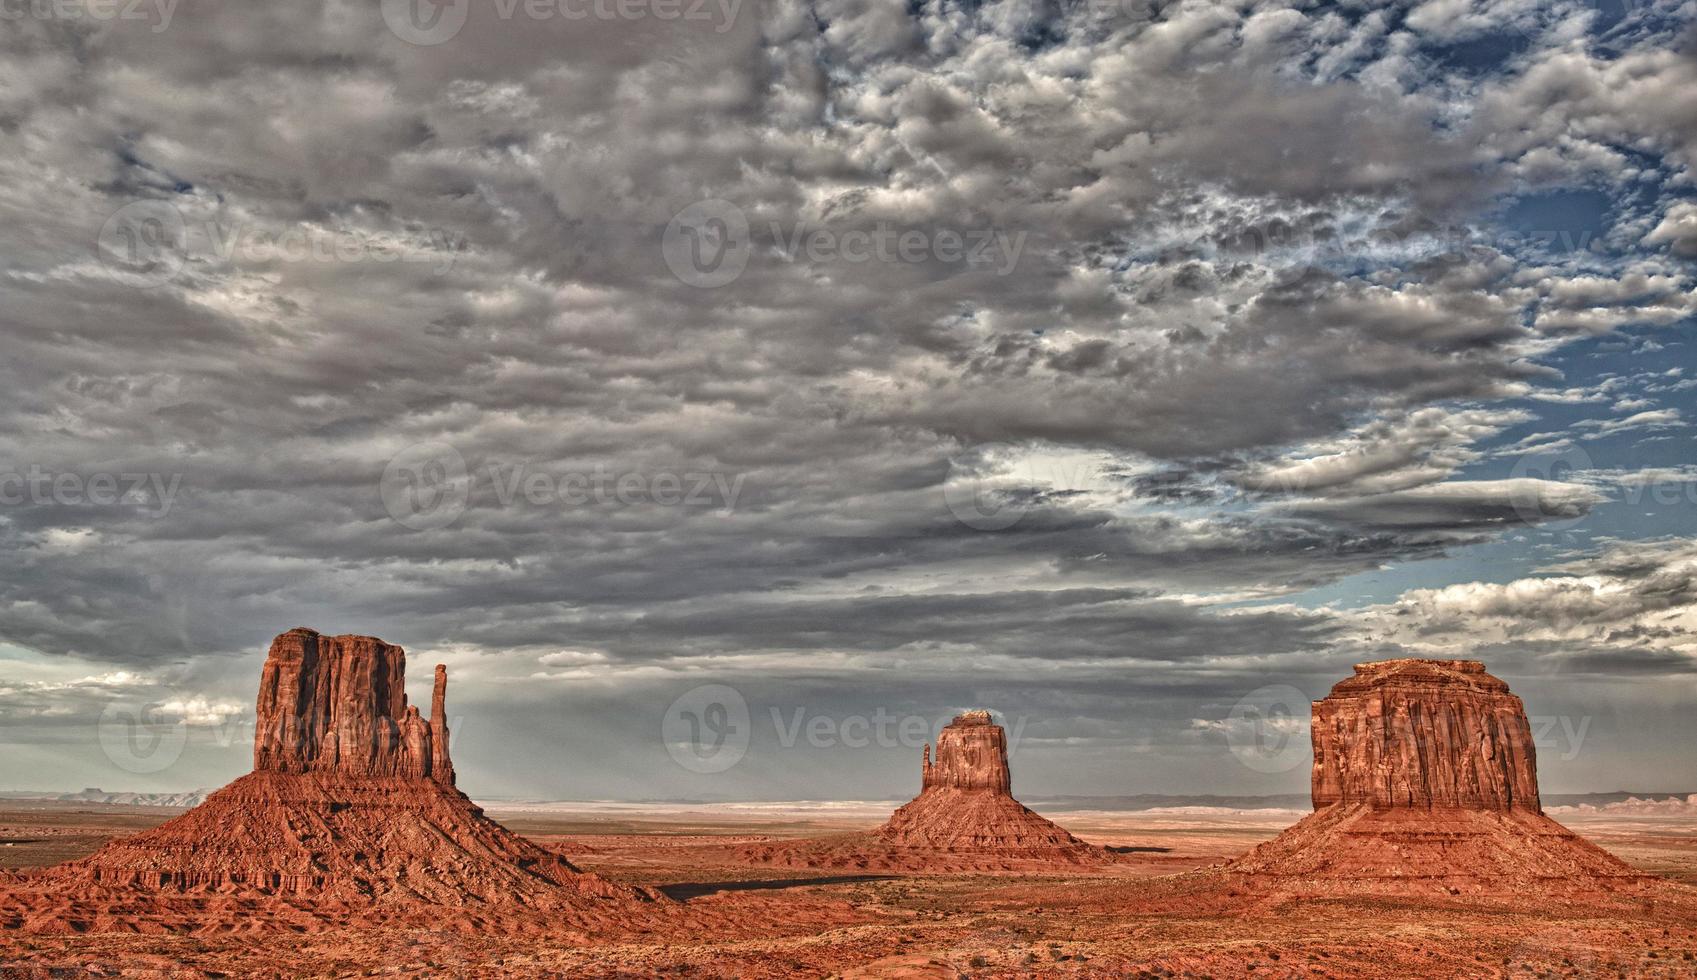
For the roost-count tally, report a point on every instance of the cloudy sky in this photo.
(729, 391)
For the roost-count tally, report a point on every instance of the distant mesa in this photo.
(1425, 781)
(350, 811)
(95, 794)
(964, 818)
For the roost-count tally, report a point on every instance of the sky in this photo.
(731, 391)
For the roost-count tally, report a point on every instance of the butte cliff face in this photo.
(1424, 733)
(964, 818)
(972, 754)
(1425, 780)
(350, 811)
(339, 704)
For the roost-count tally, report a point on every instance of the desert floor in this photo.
(1143, 917)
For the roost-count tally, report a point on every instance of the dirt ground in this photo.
(1157, 913)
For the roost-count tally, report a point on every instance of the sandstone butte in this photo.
(1425, 781)
(964, 818)
(350, 814)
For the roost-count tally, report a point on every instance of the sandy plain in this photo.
(1154, 913)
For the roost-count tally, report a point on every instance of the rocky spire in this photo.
(972, 753)
(339, 704)
(1424, 734)
(440, 768)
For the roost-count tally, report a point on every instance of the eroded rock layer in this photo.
(339, 704)
(1424, 733)
(964, 818)
(972, 753)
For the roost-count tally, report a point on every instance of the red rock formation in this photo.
(964, 818)
(1425, 781)
(442, 769)
(972, 753)
(339, 704)
(1424, 733)
(351, 805)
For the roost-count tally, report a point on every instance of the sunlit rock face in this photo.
(339, 704)
(1424, 734)
(972, 753)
